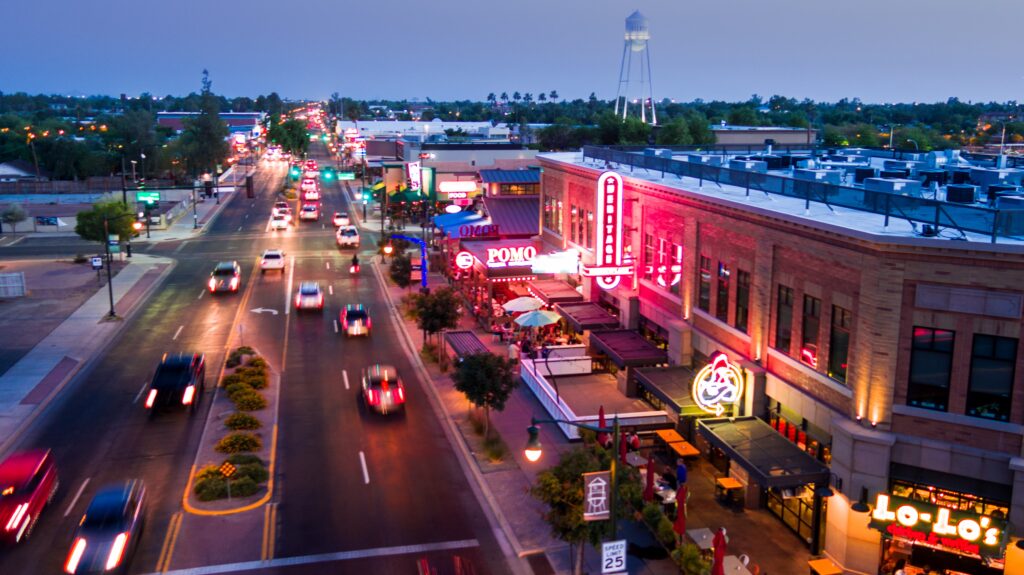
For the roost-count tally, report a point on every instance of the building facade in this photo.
(895, 360)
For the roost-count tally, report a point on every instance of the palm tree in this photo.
(491, 98)
(504, 97)
(517, 96)
(553, 95)
(542, 97)
(528, 97)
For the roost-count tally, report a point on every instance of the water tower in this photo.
(636, 91)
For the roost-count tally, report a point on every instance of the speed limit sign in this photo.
(613, 556)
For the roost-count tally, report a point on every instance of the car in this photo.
(355, 320)
(311, 195)
(310, 212)
(341, 219)
(279, 222)
(309, 296)
(382, 389)
(347, 237)
(108, 534)
(308, 184)
(279, 206)
(179, 381)
(28, 482)
(311, 165)
(226, 277)
(272, 260)
(286, 212)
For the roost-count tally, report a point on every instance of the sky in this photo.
(876, 50)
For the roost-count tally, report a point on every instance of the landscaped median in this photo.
(234, 466)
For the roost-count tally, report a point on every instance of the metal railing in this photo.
(994, 223)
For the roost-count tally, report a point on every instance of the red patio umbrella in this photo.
(623, 445)
(680, 524)
(602, 437)
(649, 488)
(719, 543)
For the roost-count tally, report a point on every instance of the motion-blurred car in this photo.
(272, 260)
(28, 482)
(280, 207)
(382, 389)
(109, 532)
(341, 219)
(311, 195)
(355, 320)
(310, 212)
(347, 237)
(308, 184)
(311, 165)
(226, 277)
(309, 296)
(279, 222)
(179, 381)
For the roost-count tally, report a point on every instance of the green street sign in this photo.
(148, 197)
(346, 176)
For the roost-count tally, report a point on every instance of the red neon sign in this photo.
(610, 266)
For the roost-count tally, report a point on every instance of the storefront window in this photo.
(742, 300)
(653, 332)
(722, 302)
(784, 319)
(950, 499)
(811, 322)
(588, 235)
(795, 507)
(805, 435)
(704, 294)
(518, 189)
(649, 261)
(839, 343)
(573, 218)
(931, 361)
(992, 371)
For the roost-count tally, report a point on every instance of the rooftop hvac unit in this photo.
(961, 193)
(703, 159)
(995, 191)
(894, 173)
(936, 159)
(960, 176)
(658, 152)
(861, 174)
(898, 165)
(1010, 203)
(929, 231)
(985, 177)
(823, 176)
(932, 176)
(893, 186)
(748, 165)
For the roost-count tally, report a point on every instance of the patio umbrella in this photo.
(719, 543)
(524, 303)
(623, 445)
(679, 526)
(537, 318)
(602, 437)
(649, 488)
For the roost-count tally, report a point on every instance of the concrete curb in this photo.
(506, 536)
(87, 365)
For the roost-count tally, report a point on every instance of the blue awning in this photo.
(448, 221)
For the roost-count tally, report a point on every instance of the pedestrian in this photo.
(634, 441)
(513, 352)
(681, 471)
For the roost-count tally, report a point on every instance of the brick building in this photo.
(891, 359)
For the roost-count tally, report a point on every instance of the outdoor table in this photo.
(667, 496)
(669, 435)
(684, 449)
(824, 567)
(733, 566)
(635, 459)
(726, 486)
(702, 537)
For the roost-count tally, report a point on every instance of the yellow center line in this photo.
(272, 540)
(163, 563)
(266, 532)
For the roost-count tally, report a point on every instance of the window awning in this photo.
(769, 458)
(672, 386)
(555, 291)
(464, 343)
(448, 222)
(586, 315)
(627, 348)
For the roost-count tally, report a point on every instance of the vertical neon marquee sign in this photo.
(609, 267)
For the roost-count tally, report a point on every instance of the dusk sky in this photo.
(878, 50)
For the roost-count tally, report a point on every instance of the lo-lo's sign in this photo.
(959, 531)
(717, 383)
(609, 267)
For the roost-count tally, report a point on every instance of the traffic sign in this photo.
(147, 197)
(114, 244)
(227, 470)
(613, 556)
(97, 262)
(346, 175)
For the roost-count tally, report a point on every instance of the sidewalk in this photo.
(753, 532)
(30, 384)
(372, 220)
(191, 222)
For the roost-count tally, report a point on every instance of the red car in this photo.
(28, 482)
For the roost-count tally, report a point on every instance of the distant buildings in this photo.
(247, 123)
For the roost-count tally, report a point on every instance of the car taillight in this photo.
(344, 324)
(320, 300)
(234, 283)
(401, 394)
(190, 392)
(151, 398)
(75, 556)
(15, 519)
(117, 550)
(298, 300)
(372, 399)
(369, 323)
(212, 284)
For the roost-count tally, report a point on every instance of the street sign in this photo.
(346, 176)
(227, 470)
(97, 262)
(596, 488)
(113, 244)
(147, 197)
(613, 556)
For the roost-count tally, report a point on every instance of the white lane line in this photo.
(288, 290)
(177, 333)
(201, 294)
(330, 289)
(335, 326)
(328, 264)
(138, 395)
(328, 557)
(366, 474)
(344, 375)
(77, 495)
(239, 228)
(246, 216)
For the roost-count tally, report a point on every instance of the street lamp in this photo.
(916, 147)
(106, 245)
(533, 452)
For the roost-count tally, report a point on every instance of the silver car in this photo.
(309, 296)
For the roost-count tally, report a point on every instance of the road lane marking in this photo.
(266, 531)
(330, 289)
(288, 289)
(269, 531)
(327, 557)
(335, 326)
(164, 560)
(77, 495)
(138, 395)
(344, 375)
(246, 216)
(366, 473)
(177, 333)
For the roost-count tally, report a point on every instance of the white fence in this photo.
(12, 284)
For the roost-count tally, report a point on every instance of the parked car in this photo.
(108, 534)
(28, 482)
(179, 381)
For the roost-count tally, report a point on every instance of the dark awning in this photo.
(672, 386)
(627, 348)
(769, 458)
(464, 343)
(554, 291)
(586, 315)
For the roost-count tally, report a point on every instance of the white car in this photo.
(279, 222)
(272, 260)
(341, 219)
(311, 195)
(309, 296)
(347, 237)
(309, 212)
(280, 207)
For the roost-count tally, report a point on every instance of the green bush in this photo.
(238, 420)
(243, 487)
(257, 362)
(652, 514)
(256, 380)
(232, 379)
(211, 488)
(429, 352)
(208, 472)
(236, 389)
(495, 449)
(238, 442)
(244, 459)
(254, 471)
(237, 355)
(250, 401)
(665, 533)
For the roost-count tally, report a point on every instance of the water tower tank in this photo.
(637, 31)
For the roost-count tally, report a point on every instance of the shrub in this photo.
(236, 356)
(244, 459)
(232, 379)
(652, 514)
(211, 488)
(251, 401)
(237, 442)
(255, 379)
(239, 420)
(236, 389)
(80, 259)
(256, 472)
(243, 487)
(208, 472)
(665, 533)
(429, 352)
(257, 362)
(495, 449)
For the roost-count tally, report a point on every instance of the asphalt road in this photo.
(349, 482)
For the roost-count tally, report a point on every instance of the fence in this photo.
(992, 222)
(12, 284)
(90, 185)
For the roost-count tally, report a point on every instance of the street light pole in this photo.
(195, 210)
(106, 245)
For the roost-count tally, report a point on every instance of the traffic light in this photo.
(137, 226)
(294, 173)
(328, 174)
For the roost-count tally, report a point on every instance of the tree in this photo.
(487, 380)
(401, 269)
(675, 133)
(542, 97)
(504, 97)
(205, 135)
(119, 216)
(491, 98)
(437, 311)
(13, 214)
(517, 96)
(634, 131)
(553, 95)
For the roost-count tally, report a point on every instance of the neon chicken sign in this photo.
(610, 265)
(718, 383)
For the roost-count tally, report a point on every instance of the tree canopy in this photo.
(487, 380)
(119, 217)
